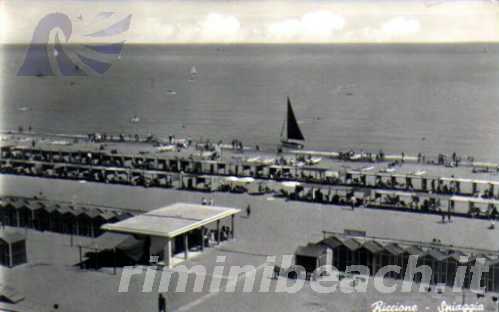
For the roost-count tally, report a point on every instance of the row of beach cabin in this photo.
(375, 253)
(60, 217)
(138, 169)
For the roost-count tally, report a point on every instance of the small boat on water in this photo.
(23, 109)
(135, 119)
(194, 73)
(291, 132)
(172, 92)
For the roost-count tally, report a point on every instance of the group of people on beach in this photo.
(20, 129)
(237, 145)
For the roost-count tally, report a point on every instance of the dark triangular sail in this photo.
(294, 132)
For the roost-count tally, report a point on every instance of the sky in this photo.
(270, 21)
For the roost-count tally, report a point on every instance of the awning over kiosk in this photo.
(171, 221)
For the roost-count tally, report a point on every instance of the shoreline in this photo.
(349, 155)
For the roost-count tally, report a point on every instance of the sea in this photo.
(399, 98)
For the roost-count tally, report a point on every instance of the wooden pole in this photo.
(218, 232)
(114, 261)
(232, 223)
(79, 251)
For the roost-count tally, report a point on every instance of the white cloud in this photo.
(3, 22)
(159, 29)
(312, 26)
(273, 21)
(321, 24)
(285, 29)
(401, 26)
(220, 27)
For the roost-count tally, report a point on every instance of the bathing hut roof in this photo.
(11, 236)
(492, 261)
(394, 249)
(107, 214)
(414, 250)
(436, 254)
(64, 209)
(92, 213)
(332, 242)
(459, 256)
(310, 250)
(51, 207)
(35, 205)
(373, 246)
(17, 203)
(352, 244)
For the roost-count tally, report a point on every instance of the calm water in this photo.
(398, 98)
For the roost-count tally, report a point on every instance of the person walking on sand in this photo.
(276, 272)
(161, 303)
(248, 211)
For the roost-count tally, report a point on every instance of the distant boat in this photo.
(172, 92)
(194, 71)
(23, 109)
(134, 119)
(291, 132)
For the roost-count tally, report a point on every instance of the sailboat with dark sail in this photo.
(291, 132)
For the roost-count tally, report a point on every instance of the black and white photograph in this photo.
(249, 155)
